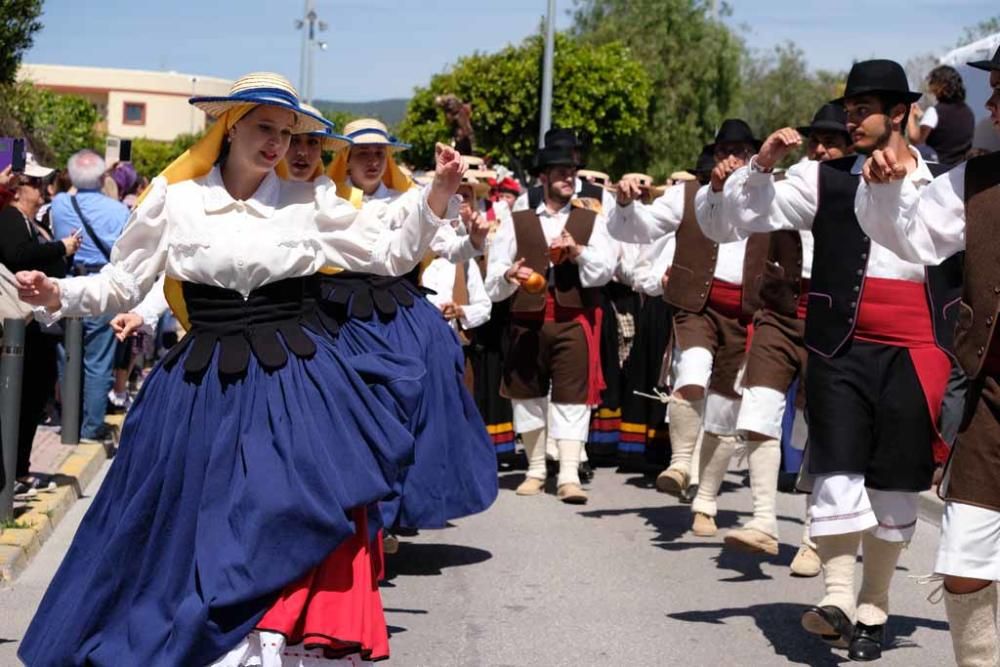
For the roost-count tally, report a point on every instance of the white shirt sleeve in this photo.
(923, 227)
(597, 260)
(641, 223)
(755, 203)
(137, 258)
(930, 118)
(153, 306)
(406, 228)
(501, 258)
(451, 245)
(477, 312)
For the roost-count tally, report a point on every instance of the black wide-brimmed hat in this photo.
(735, 131)
(560, 136)
(554, 156)
(706, 161)
(830, 118)
(988, 65)
(871, 77)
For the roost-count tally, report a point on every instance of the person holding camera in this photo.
(98, 220)
(26, 245)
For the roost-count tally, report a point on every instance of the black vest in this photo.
(952, 138)
(536, 194)
(840, 260)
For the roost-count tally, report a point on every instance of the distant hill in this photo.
(390, 112)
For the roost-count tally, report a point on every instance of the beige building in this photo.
(133, 103)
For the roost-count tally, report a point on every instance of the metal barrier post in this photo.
(72, 380)
(11, 376)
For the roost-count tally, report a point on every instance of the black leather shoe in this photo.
(830, 623)
(586, 472)
(866, 644)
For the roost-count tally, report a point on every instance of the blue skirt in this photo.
(222, 493)
(455, 469)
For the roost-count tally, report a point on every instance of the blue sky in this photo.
(414, 39)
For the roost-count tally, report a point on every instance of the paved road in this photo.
(617, 582)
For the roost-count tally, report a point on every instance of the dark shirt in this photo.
(22, 248)
(951, 139)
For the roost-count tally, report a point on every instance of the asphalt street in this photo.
(619, 581)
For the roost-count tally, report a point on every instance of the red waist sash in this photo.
(803, 305)
(590, 320)
(726, 299)
(896, 313)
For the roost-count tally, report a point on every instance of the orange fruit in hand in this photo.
(535, 283)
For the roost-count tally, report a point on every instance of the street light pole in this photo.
(309, 24)
(545, 120)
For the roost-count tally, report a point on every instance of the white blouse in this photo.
(440, 277)
(194, 231)
(652, 265)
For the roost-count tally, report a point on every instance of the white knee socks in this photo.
(685, 425)
(716, 451)
(765, 462)
(838, 554)
(534, 448)
(569, 461)
(879, 559)
(973, 621)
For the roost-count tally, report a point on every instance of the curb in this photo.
(19, 545)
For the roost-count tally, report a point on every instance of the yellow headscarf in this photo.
(195, 162)
(283, 173)
(394, 178)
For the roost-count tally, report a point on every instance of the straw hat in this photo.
(646, 183)
(332, 141)
(263, 88)
(595, 177)
(476, 179)
(371, 132)
(680, 176)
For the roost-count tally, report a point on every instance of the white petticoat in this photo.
(268, 649)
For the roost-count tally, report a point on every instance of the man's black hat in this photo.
(988, 65)
(735, 131)
(563, 137)
(706, 161)
(554, 156)
(830, 118)
(871, 77)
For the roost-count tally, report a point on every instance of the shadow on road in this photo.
(779, 623)
(421, 560)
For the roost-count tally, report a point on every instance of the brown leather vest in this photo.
(564, 279)
(696, 256)
(981, 287)
(781, 282)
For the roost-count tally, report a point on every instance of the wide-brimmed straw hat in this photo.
(372, 132)
(646, 183)
(332, 141)
(263, 88)
(477, 180)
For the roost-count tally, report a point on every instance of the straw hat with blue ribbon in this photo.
(371, 132)
(263, 88)
(332, 141)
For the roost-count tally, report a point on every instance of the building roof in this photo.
(72, 78)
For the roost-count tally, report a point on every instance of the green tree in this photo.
(18, 24)
(150, 157)
(56, 126)
(985, 28)
(600, 91)
(692, 61)
(779, 90)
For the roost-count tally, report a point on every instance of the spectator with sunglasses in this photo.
(26, 245)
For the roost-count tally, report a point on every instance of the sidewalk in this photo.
(72, 468)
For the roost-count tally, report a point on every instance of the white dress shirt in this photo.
(652, 265)
(925, 227)
(195, 231)
(753, 202)
(596, 262)
(440, 277)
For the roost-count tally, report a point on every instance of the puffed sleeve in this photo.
(153, 306)
(477, 312)
(138, 257)
(754, 202)
(387, 238)
(645, 223)
(598, 260)
(924, 227)
(501, 258)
